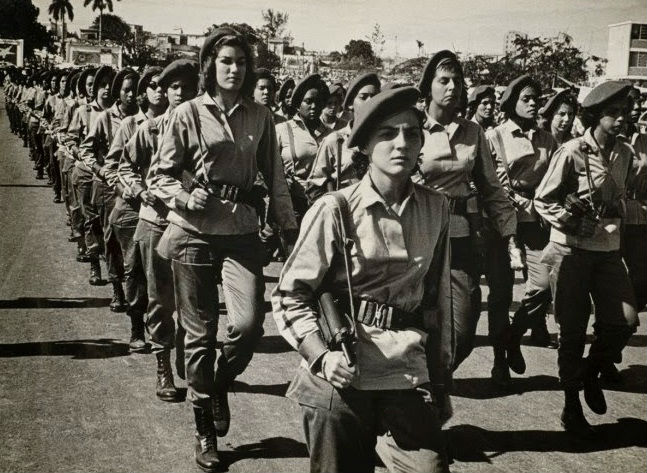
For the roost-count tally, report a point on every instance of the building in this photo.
(509, 48)
(627, 51)
(176, 44)
(83, 53)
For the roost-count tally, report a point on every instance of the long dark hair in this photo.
(209, 67)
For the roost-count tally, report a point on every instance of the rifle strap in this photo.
(198, 130)
(340, 141)
(293, 151)
(347, 244)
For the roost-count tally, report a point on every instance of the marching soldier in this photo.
(581, 198)
(482, 106)
(559, 113)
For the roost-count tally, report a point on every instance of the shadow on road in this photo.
(54, 302)
(275, 447)
(77, 349)
(24, 185)
(474, 444)
(273, 344)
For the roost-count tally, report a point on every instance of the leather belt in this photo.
(384, 316)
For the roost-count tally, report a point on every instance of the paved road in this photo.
(73, 399)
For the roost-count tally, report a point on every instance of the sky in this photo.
(327, 25)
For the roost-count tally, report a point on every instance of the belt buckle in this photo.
(233, 191)
(383, 316)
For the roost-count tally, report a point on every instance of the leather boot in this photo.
(500, 371)
(165, 387)
(137, 337)
(206, 447)
(593, 394)
(573, 419)
(609, 374)
(95, 272)
(539, 337)
(81, 254)
(219, 401)
(118, 302)
(514, 356)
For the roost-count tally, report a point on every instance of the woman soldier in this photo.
(456, 161)
(284, 98)
(581, 197)
(179, 83)
(393, 399)
(120, 88)
(265, 92)
(125, 214)
(299, 138)
(559, 113)
(330, 115)
(209, 157)
(522, 153)
(482, 106)
(323, 177)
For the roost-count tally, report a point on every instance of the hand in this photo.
(336, 371)
(197, 200)
(517, 257)
(127, 194)
(147, 198)
(101, 173)
(586, 227)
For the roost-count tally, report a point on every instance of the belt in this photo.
(384, 316)
(530, 195)
(463, 205)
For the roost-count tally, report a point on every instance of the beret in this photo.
(45, 75)
(394, 85)
(212, 39)
(370, 78)
(83, 77)
(283, 90)
(146, 78)
(511, 94)
(555, 101)
(605, 93)
(262, 73)
(479, 92)
(74, 80)
(430, 70)
(312, 81)
(382, 106)
(103, 73)
(634, 93)
(336, 88)
(119, 80)
(178, 68)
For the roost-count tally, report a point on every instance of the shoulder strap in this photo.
(340, 141)
(293, 151)
(109, 129)
(501, 151)
(198, 129)
(347, 244)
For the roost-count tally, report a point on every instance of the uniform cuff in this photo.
(181, 200)
(137, 188)
(312, 348)
(96, 168)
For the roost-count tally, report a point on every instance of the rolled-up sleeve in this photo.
(551, 192)
(494, 198)
(293, 299)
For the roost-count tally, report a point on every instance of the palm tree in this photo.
(59, 9)
(420, 46)
(99, 5)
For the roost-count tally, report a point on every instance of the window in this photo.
(638, 31)
(637, 59)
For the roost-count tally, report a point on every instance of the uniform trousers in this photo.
(159, 285)
(344, 429)
(91, 226)
(103, 201)
(635, 256)
(54, 166)
(123, 219)
(197, 260)
(578, 276)
(77, 215)
(500, 280)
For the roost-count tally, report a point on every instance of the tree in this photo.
(274, 23)
(376, 38)
(359, 54)
(335, 56)
(266, 58)
(420, 46)
(19, 20)
(114, 28)
(137, 51)
(99, 5)
(59, 9)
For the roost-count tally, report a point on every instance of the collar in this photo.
(369, 196)
(209, 102)
(431, 124)
(320, 130)
(140, 116)
(515, 130)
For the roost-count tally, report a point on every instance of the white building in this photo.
(508, 41)
(627, 53)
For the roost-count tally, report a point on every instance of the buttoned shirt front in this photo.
(324, 168)
(231, 149)
(123, 134)
(455, 156)
(392, 256)
(522, 162)
(298, 161)
(567, 174)
(82, 120)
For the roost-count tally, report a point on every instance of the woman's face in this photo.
(231, 67)
(154, 92)
(62, 85)
(310, 107)
(179, 91)
(89, 84)
(364, 95)
(263, 92)
(127, 92)
(446, 88)
(485, 108)
(103, 89)
(563, 118)
(612, 119)
(288, 96)
(394, 145)
(333, 106)
(526, 106)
